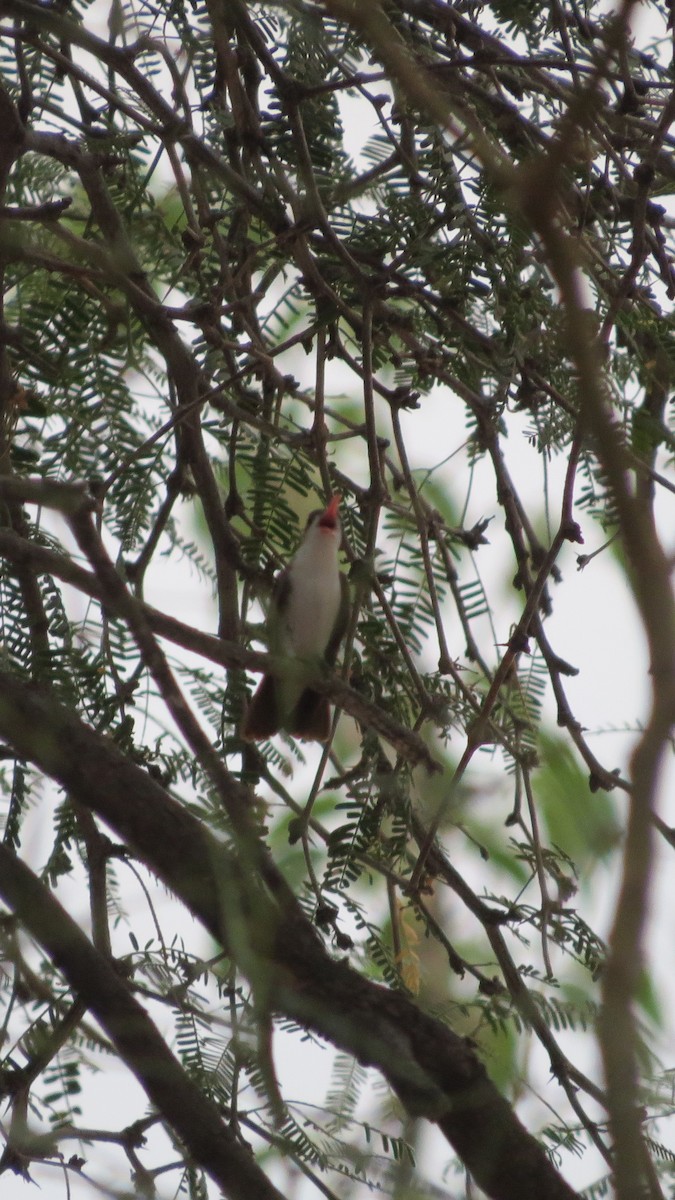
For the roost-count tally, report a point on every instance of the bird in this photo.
(307, 621)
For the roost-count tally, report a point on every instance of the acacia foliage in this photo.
(252, 254)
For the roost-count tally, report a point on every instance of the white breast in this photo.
(315, 594)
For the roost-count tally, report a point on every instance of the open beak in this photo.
(329, 518)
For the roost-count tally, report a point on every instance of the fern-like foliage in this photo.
(252, 255)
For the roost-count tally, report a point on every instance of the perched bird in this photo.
(307, 620)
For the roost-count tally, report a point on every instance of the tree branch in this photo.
(436, 1073)
(97, 985)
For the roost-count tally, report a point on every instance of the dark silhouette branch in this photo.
(99, 988)
(436, 1073)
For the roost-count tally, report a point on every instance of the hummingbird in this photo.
(307, 620)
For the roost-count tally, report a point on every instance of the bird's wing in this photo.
(278, 603)
(341, 624)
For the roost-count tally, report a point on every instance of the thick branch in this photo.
(436, 1073)
(195, 1120)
